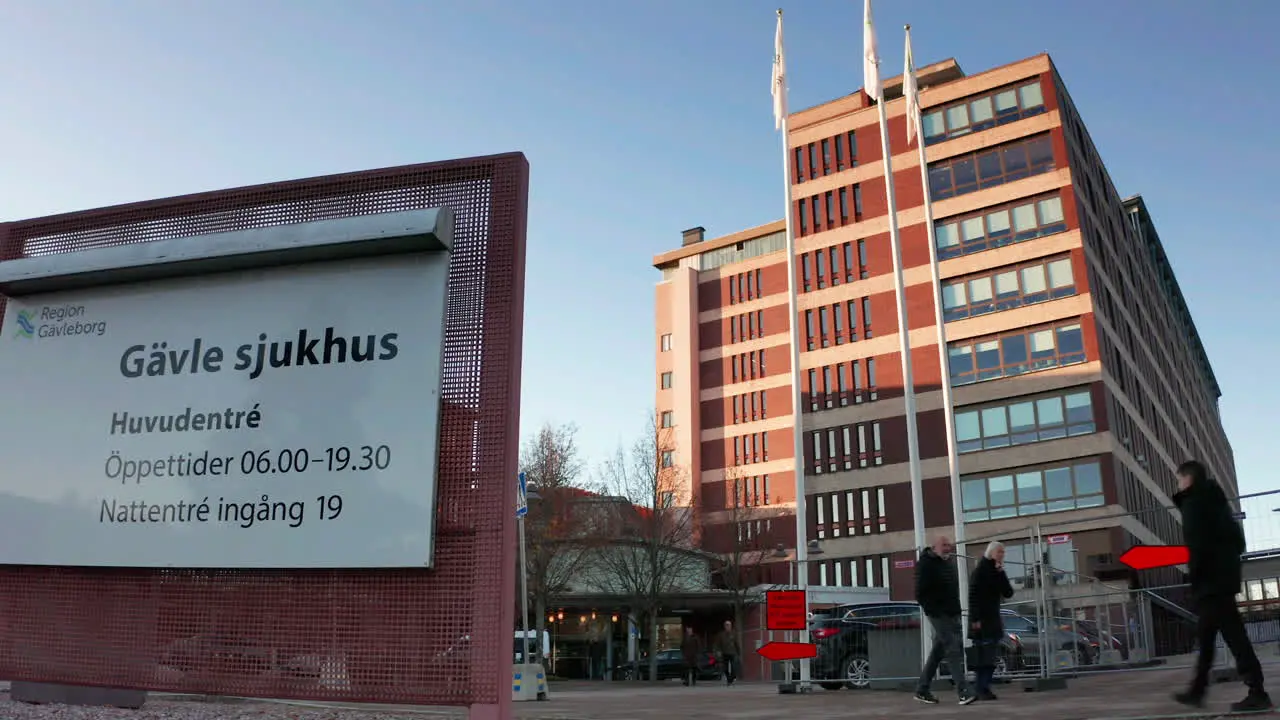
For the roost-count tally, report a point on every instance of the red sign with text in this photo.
(785, 610)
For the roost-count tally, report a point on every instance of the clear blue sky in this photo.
(640, 119)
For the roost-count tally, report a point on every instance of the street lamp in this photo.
(530, 494)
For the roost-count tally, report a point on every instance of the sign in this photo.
(782, 651)
(522, 497)
(903, 564)
(786, 610)
(1058, 539)
(1147, 557)
(270, 418)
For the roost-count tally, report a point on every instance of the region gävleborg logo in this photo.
(26, 328)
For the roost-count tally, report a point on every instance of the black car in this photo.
(670, 667)
(842, 642)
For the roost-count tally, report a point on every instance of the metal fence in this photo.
(440, 636)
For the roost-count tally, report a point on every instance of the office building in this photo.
(1080, 381)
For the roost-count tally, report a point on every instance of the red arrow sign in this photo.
(1146, 557)
(779, 651)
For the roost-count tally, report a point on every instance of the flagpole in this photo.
(781, 118)
(948, 407)
(904, 334)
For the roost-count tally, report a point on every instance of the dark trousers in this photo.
(1219, 614)
(948, 642)
(690, 674)
(730, 668)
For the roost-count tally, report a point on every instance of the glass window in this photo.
(971, 229)
(1024, 218)
(933, 124)
(998, 222)
(1022, 423)
(947, 235)
(968, 431)
(1030, 488)
(957, 118)
(1042, 342)
(981, 110)
(1050, 210)
(1057, 482)
(1001, 488)
(995, 427)
(1006, 283)
(1079, 408)
(1088, 478)
(980, 290)
(1006, 101)
(960, 360)
(1015, 350)
(1060, 275)
(1049, 411)
(973, 494)
(1031, 95)
(953, 296)
(1070, 340)
(987, 354)
(1033, 280)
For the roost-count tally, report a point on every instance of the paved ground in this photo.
(1129, 696)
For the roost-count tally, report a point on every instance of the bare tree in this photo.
(555, 545)
(649, 553)
(744, 541)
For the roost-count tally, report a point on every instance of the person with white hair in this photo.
(988, 587)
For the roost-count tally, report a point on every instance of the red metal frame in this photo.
(431, 637)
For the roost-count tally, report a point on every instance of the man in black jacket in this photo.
(1215, 542)
(938, 592)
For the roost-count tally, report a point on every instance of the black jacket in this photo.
(988, 587)
(937, 585)
(1214, 540)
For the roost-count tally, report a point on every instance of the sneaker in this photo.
(987, 696)
(967, 699)
(1254, 702)
(1190, 699)
(926, 697)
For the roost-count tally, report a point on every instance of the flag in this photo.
(911, 92)
(779, 78)
(870, 56)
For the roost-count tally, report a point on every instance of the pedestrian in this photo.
(938, 592)
(989, 587)
(726, 647)
(1215, 543)
(691, 650)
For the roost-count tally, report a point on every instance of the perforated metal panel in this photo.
(439, 636)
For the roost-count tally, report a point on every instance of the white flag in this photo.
(779, 79)
(911, 92)
(870, 56)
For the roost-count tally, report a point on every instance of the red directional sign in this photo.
(1147, 557)
(785, 610)
(780, 651)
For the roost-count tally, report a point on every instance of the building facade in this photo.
(1079, 379)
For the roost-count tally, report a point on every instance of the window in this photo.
(1032, 491)
(990, 167)
(1015, 353)
(844, 448)
(666, 343)
(983, 112)
(1025, 421)
(666, 381)
(1009, 287)
(1005, 225)
(668, 419)
(668, 458)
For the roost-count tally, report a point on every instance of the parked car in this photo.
(843, 659)
(1027, 633)
(670, 667)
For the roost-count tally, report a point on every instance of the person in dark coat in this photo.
(1215, 542)
(938, 592)
(726, 646)
(988, 588)
(691, 651)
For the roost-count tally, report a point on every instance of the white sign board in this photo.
(277, 418)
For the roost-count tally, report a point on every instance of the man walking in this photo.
(938, 592)
(691, 651)
(727, 648)
(1215, 542)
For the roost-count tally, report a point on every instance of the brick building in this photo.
(1080, 381)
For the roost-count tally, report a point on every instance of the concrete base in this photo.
(1044, 684)
(528, 682)
(50, 693)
